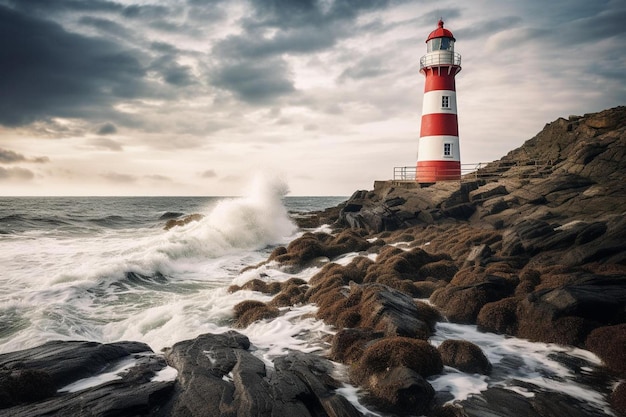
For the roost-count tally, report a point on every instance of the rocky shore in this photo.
(531, 246)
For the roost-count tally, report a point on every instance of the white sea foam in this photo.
(165, 375)
(68, 286)
(516, 360)
(112, 375)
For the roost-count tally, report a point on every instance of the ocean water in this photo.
(104, 269)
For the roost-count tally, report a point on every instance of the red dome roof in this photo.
(440, 32)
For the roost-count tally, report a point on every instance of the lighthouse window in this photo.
(445, 102)
(447, 149)
(440, 44)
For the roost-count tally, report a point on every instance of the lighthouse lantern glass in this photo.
(440, 44)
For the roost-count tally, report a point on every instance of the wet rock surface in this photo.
(32, 381)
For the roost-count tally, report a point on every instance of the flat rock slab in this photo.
(30, 380)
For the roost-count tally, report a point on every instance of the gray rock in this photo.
(36, 374)
(219, 377)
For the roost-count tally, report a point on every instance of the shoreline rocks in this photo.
(539, 253)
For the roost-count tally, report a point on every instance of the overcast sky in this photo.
(193, 97)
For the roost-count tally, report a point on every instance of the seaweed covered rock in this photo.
(568, 313)
(380, 308)
(393, 370)
(462, 303)
(499, 316)
(249, 311)
(310, 246)
(465, 356)
(609, 343)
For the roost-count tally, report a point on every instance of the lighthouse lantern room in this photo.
(439, 157)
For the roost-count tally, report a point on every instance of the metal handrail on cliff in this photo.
(487, 171)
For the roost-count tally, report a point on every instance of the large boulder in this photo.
(219, 376)
(393, 370)
(37, 381)
(567, 314)
(462, 303)
(465, 356)
(609, 343)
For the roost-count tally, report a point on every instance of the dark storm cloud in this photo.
(251, 65)
(47, 6)
(296, 13)
(107, 129)
(106, 26)
(486, 28)
(146, 12)
(17, 173)
(368, 67)
(298, 41)
(11, 157)
(595, 28)
(47, 71)
(172, 72)
(255, 81)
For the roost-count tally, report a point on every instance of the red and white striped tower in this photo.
(438, 155)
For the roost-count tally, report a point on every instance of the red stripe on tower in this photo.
(439, 156)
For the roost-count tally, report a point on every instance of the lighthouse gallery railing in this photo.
(440, 58)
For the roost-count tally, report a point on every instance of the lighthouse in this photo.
(438, 155)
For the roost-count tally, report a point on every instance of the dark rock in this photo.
(402, 391)
(487, 191)
(348, 345)
(609, 247)
(220, 377)
(500, 402)
(464, 356)
(29, 380)
(532, 229)
(378, 307)
(393, 371)
(25, 386)
(590, 232)
(609, 343)
(567, 314)
(618, 399)
(460, 211)
(185, 220)
(314, 373)
(478, 254)
(499, 316)
(393, 313)
(462, 303)
(310, 246)
(389, 352)
(170, 215)
(69, 361)
(395, 201)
